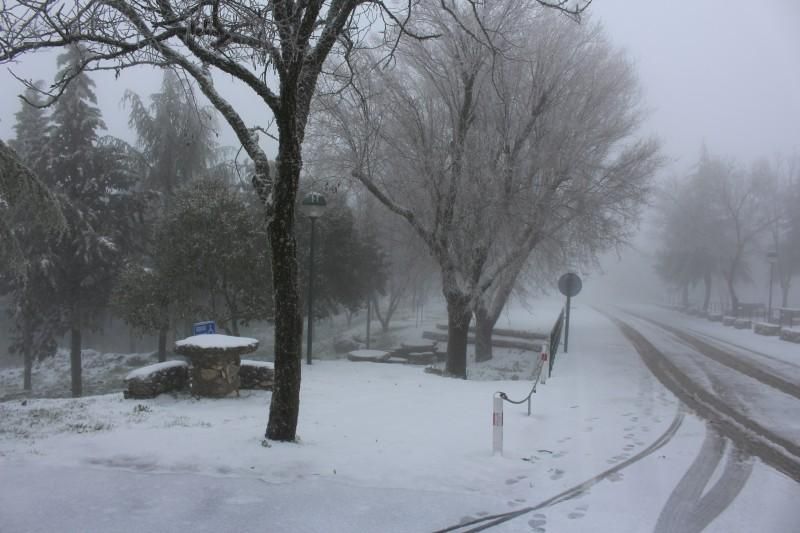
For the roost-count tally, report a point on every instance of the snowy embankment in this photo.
(102, 373)
(381, 448)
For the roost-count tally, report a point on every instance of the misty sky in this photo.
(726, 72)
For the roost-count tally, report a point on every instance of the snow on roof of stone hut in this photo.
(215, 340)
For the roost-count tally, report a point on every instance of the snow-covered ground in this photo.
(382, 448)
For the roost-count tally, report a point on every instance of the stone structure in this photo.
(150, 381)
(715, 317)
(728, 320)
(215, 362)
(764, 328)
(742, 323)
(790, 334)
(257, 375)
(345, 345)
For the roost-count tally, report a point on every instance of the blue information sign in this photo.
(202, 328)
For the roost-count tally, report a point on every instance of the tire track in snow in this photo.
(712, 338)
(689, 511)
(489, 521)
(728, 359)
(748, 435)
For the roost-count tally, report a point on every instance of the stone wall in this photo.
(790, 334)
(256, 375)
(763, 328)
(152, 380)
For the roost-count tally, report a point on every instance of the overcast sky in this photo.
(726, 72)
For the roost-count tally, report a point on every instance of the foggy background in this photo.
(723, 73)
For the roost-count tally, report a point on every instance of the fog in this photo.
(720, 73)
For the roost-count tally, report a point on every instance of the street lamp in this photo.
(772, 258)
(313, 206)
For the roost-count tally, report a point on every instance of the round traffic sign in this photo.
(570, 284)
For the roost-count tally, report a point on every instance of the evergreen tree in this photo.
(96, 177)
(29, 216)
(174, 133)
(31, 130)
(209, 261)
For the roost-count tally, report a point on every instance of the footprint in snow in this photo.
(537, 525)
(579, 512)
(557, 474)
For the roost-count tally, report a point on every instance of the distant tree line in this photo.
(721, 220)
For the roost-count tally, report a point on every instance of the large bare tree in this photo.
(489, 149)
(278, 50)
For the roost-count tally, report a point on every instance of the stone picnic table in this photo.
(215, 361)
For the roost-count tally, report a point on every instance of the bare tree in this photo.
(737, 198)
(487, 151)
(690, 230)
(778, 186)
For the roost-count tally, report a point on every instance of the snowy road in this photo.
(742, 396)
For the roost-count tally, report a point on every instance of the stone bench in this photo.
(765, 328)
(151, 380)
(790, 335)
(742, 323)
(728, 320)
(256, 375)
(371, 356)
(715, 317)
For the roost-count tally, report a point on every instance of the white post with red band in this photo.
(497, 425)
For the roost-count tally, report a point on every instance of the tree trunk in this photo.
(75, 360)
(483, 334)
(285, 404)
(734, 298)
(785, 294)
(458, 318)
(162, 344)
(685, 296)
(707, 299)
(27, 351)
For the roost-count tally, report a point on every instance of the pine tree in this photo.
(29, 217)
(31, 129)
(96, 177)
(175, 134)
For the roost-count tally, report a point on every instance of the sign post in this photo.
(570, 285)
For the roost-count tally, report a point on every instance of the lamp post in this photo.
(772, 258)
(313, 206)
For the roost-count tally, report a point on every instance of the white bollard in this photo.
(545, 365)
(497, 425)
